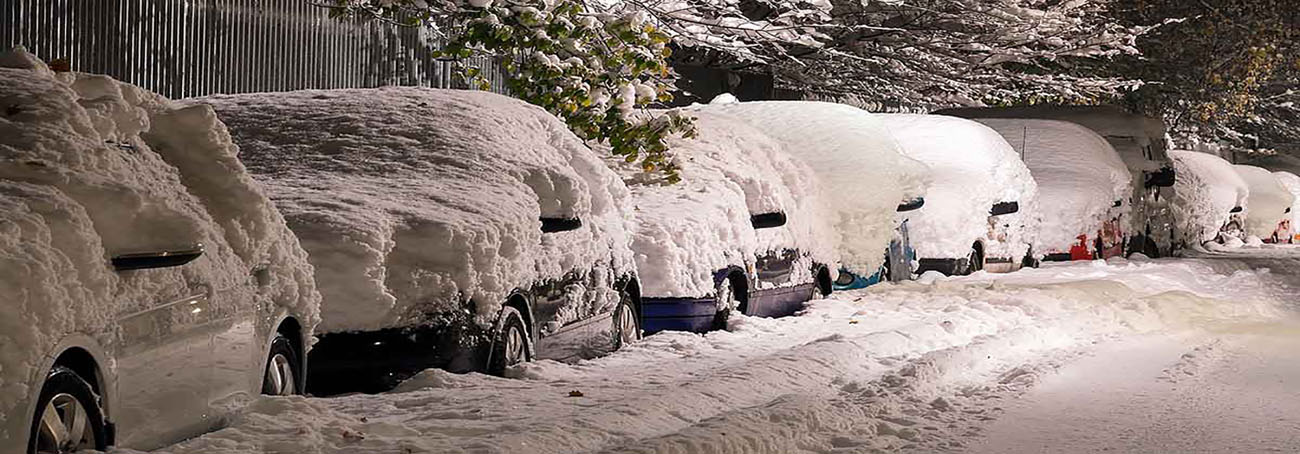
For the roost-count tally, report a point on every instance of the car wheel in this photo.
(68, 416)
(725, 297)
(282, 366)
(975, 261)
(627, 327)
(886, 271)
(511, 346)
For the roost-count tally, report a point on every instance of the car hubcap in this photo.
(280, 375)
(64, 426)
(627, 330)
(514, 346)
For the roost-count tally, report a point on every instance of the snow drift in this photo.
(1206, 191)
(1079, 177)
(1267, 203)
(863, 173)
(730, 171)
(91, 168)
(412, 200)
(972, 168)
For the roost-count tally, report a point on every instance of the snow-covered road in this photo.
(1141, 356)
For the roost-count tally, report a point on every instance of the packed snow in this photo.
(1208, 188)
(1267, 202)
(92, 168)
(688, 230)
(972, 168)
(411, 200)
(1079, 176)
(863, 174)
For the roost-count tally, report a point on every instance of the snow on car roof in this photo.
(1079, 176)
(1267, 202)
(972, 169)
(730, 170)
(1206, 190)
(1131, 134)
(92, 168)
(411, 199)
(863, 172)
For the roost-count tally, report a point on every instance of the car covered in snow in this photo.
(146, 280)
(979, 206)
(1140, 142)
(1210, 200)
(1083, 187)
(1288, 230)
(869, 186)
(1268, 207)
(743, 230)
(454, 229)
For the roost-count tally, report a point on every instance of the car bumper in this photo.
(678, 314)
(376, 361)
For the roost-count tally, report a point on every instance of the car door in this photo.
(238, 340)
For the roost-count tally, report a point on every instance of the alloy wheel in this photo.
(64, 426)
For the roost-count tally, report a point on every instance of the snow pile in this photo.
(1292, 184)
(687, 231)
(411, 200)
(1267, 203)
(1079, 176)
(863, 172)
(972, 168)
(1206, 191)
(91, 168)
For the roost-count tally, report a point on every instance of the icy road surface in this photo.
(1184, 355)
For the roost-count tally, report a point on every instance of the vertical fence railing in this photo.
(183, 48)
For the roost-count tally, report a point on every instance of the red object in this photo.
(1080, 250)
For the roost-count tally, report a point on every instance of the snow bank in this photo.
(1206, 190)
(410, 200)
(1267, 203)
(1079, 177)
(863, 173)
(972, 169)
(730, 171)
(91, 168)
(1292, 184)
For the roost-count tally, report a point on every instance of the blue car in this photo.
(898, 259)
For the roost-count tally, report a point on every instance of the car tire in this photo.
(975, 262)
(726, 300)
(281, 376)
(511, 345)
(67, 404)
(627, 325)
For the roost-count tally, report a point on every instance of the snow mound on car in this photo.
(411, 200)
(1079, 177)
(91, 168)
(1292, 184)
(863, 173)
(972, 168)
(1267, 203)
(1205, 192)
(688, 230)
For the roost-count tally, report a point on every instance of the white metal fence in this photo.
(183, 48)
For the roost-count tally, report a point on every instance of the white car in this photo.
(147, 282)
(1210, 201)
(743, 230)
(1083, 187)
(456, 229)
(1287, 229)
(980, 202)
(1269, 204)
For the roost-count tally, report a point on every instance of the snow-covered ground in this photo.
(1057, 359)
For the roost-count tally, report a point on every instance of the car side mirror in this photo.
(553, 225)
(768, 220)
(1288, 210)
(911, 205)
(1117, 204)
(1235, 210)
(1002, 208)
(156, 259)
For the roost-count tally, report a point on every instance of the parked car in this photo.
(147, 281)
(744, 230)
(1140, 142)
(452, 229)
(1210, 200)
(1287, 230)
(1082, 187)
(973, 218)
(869, 185)
(1268, 208)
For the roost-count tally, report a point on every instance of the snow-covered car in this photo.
(1140, 142)
(1210, 199)
(455, 229)
(1268, 207)
(743, 230)
(979, 205)
(1082, 187)
(869, 186)
(147, 281)
(1287, 230)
